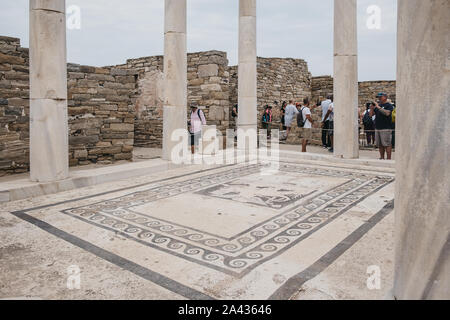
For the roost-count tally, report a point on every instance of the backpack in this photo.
(199, 116)
(367, 120)
(394, 115)
(300, 120)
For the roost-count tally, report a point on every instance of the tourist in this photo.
(195, 126)
(382, 109)
(291, 112)
(234, 115)
(283, 114)
(307, 122)
(267, 119)
(394, 116)
(330, 116)
(234, 112)
(369, 125)
(326, 122)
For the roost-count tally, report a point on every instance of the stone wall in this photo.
(278, 80)
(148, 100)
(208, 87)
(322, 86)
(101, 114)
(14, 107)
(369, 89)
(100, 108)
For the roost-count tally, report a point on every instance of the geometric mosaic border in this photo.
(240, 254)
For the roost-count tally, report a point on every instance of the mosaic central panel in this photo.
(234, 219)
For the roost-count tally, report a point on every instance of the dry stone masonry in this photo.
(101, 114)
(113, 108)
(14, 107)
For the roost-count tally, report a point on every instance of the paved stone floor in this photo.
(232, 232)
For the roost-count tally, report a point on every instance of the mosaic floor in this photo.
(223, 233)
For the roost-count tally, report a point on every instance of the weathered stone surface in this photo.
(346, 143)
(48, 140)
(247, 71)
(11, 59)
(126, 127)
(422, 219)
(48, 67)
(208, 70)
(49, 160)
(80, 154)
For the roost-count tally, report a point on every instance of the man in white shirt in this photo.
(326, 122)
(308, 121)
(291, 112)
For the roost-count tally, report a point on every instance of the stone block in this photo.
(208, 70)
(211, 87)
(48, 70)
(196, 82)
(80, 154)
(123, 156)
(11, 59)
(122, 127)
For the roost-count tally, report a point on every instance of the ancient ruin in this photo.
(233, 230)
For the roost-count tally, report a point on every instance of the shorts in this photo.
(306, 134)
(383, 138)
(288, 123)
(195, 138)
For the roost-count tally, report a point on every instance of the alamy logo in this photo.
(374, 19)
(374, 280)
(73, 278)
(73, 14)
(251, 147)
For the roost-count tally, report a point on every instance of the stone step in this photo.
(18, 188)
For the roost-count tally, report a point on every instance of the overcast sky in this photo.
(115, 30)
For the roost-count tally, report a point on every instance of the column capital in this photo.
(49, 5)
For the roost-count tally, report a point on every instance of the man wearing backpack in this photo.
(305, 121)
(369, 125)
(195, 126)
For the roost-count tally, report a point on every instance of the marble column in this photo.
(346, 144)
(175, 74)
(422, 218)
(49, 160)
(247, 81)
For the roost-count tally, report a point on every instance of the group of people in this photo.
(302, 114)
(379, 124)
(378, 120)
(291, 112)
